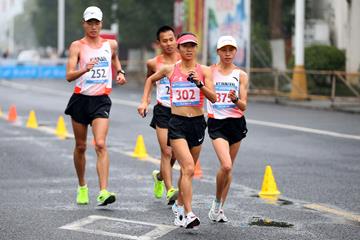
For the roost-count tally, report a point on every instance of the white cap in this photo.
(92, 12)
(226, 41)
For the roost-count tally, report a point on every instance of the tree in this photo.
(138, 20)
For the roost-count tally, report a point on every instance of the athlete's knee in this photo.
(100, 145)
(226, 168)
(80, 147)
(188, 171)
(166, 152)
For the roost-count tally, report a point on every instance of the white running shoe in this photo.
(222, 217)
(179, 215)
(192, 221)
(214, 213)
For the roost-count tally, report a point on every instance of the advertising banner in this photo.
(229, 17)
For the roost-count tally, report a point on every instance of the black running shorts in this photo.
(192, 129)
(230, 129)
(84, 109)
(161, 116)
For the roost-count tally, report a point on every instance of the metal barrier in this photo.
(323, 84)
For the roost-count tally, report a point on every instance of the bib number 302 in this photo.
(185, 94)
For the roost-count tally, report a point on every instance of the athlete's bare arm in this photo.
(208, 88)
(72, 73)
(165, 71)
(244, 84)
(151, 69)
(115, 61)
(241, 100)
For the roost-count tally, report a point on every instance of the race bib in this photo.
(99, 73)
(222, 99)
(163, 89)
(185, 94)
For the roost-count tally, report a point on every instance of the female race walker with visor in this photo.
(89, 65)
(189, 83)
(226, 121)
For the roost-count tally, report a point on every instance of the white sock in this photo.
(217, 205)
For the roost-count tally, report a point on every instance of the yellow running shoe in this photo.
(158, 185)
(104, 198)
(172, 195)
(82, 197)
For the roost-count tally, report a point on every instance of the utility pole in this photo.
(61, 27)
(299, 82)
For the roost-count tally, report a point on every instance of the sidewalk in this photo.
(341, 105)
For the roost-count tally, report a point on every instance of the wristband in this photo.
(200, 85)
(121, 71)
(235, 100)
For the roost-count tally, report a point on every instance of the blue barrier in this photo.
(32, 72)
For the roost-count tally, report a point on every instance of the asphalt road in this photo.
(314, 156)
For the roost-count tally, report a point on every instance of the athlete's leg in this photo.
(234, 149)
(165, 165)
(100, 127)
(222, 150)
(80, 133)
(186, 161)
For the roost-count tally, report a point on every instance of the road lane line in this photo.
(337, 212)
(303, 129)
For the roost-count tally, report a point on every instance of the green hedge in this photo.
(321, 57)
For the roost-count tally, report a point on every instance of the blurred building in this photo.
(9, 9)
(337, 23)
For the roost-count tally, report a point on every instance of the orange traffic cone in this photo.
(12, 115)
(197, 171)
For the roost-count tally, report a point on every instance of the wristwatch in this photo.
(235, 100)
(121, 71)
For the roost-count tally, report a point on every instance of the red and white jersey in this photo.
(184, 93)
(163, 85)
(223, 107)
(97, 81)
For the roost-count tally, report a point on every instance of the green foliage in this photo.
(322, 57)
(260, 30)
(138, 20)
(260, 46)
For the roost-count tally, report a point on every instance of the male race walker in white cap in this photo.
(89, 65)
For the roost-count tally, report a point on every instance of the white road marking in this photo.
(158, 231)
(303, 129)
